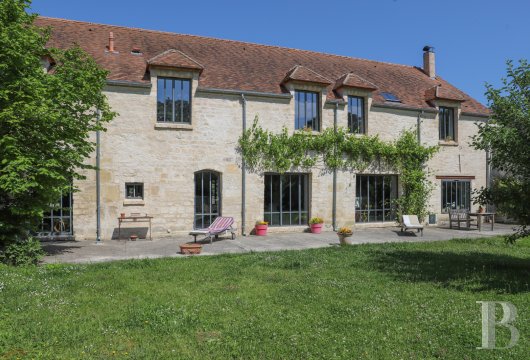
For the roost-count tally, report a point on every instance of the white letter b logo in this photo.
(489, 323)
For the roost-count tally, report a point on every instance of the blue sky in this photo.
(473, 38)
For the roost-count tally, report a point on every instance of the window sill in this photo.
(173, 126)
(133, 202)
(447, 143)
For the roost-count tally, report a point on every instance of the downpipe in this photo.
(243, 172)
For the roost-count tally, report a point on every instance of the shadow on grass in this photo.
(472, 271)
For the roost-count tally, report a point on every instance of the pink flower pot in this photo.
(316, 228)
(261, 230)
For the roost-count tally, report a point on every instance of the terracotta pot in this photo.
(261, 230)
(190, 249)
(480, 209)
(134, 237)
(316, 228)
(122, 215)
(345, 239)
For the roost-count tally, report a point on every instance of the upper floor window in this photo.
(134, 191)
(447, 124)
(173, 100)
(307, 110)
(356, 119)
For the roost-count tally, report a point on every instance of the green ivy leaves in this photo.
(264, 150)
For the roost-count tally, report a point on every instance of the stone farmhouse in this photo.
(184, 100)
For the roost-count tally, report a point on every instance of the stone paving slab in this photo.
(89, 251)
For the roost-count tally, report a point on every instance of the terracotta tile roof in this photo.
(354, 81)
(175, 58)
(235, 65)
(303, 74)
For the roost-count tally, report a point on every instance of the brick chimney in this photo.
(111, 42)
(428, 61)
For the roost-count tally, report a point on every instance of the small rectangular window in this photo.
(456, 195)
(447, 124)
(307, 110)
(134, 190)
(356, 120)
(173, 100)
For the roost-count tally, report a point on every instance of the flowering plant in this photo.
(345, 231)
(261, 222)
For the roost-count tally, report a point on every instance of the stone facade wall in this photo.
(165, 158)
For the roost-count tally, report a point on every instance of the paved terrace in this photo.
(88, 251)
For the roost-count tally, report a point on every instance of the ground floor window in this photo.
(456, 194)
(374, 199)
(58, 221)
(207, 198)
(286, 199)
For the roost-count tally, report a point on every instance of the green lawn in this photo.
(372, 301)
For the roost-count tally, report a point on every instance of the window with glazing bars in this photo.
(58, 221)
(447, 124)
(173, 100)
(374, 198)
(207, 198)
(134, 190)
(307, 110)
(286, 199)
(456, 194)
(356, 120)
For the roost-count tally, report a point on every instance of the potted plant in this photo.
(122, 215)
(261, 228)
(316, 224)
(190, 249)
(345, 234)
(134, 237)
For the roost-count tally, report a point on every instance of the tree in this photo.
(46, 119)
(507, 136)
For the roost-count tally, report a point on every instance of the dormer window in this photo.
(307, 110)
(447, 123)
(173, 100)
(356, 118)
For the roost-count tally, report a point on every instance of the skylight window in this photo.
(390, 97)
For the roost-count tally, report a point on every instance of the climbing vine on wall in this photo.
(264, 151)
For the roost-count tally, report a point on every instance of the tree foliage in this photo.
(46, 119)
(507, 136)
(332, 149)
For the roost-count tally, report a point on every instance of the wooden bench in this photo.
(459, 216)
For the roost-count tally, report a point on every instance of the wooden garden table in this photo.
(140, 218)
(481, 215)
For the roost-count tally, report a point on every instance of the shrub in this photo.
(22, 252)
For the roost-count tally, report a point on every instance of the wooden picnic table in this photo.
(134, 218)
(480, 215)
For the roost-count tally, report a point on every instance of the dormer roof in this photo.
(301, 73)
(175, 59)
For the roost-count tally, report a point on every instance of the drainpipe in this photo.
(243, 171)
(98, 184)
(334, 204)
(418, 126)
(488, 175)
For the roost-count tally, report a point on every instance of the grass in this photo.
(414, 300)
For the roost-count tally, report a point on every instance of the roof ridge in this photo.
(230, 40)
